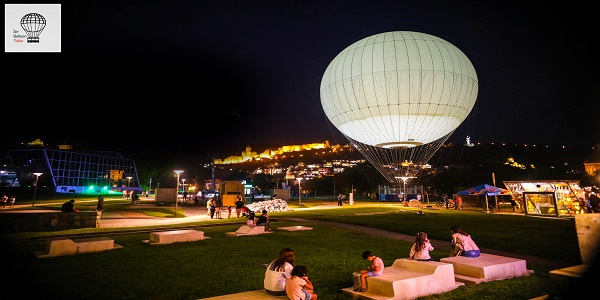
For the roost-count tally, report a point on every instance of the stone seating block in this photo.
(250, 230)
(58, 247)
(176, 236)
(407, 279)
(66, 246)
(94, 244)
(486, 267)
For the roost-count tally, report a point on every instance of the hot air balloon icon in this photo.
(33, 24)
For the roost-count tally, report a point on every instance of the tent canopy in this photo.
(484, 189)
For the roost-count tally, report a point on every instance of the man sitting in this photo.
(69, 206)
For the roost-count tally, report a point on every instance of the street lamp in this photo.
(404, 179)
(37, 176)
(299, 191)
(177, 172)
(129, 181)
(183, 188)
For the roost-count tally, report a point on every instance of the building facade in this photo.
(64, 171)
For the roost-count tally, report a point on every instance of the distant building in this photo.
(71, 171)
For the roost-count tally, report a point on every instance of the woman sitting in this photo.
(463, 244)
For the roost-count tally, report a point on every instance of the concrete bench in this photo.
(175, 236)
(248, 230)
(66, 246)
(407, 279)
(486, 267)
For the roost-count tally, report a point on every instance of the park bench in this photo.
(407, 279)
(486, 267)
(175, 236)
(67, 246)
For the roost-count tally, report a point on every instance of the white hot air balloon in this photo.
(398, 96)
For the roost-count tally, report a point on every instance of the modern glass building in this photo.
(81, 172)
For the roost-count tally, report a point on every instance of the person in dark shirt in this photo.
(264, 220)
(239, 204)
(69, 206)
(100, 206)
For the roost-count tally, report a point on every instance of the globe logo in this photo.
(33, 24)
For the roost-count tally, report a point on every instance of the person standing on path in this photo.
(100, 206)
(4, 200)
(458, 202)
(12, 201)
(239, 204)
(340, 198)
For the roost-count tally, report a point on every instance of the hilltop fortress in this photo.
(249, 155)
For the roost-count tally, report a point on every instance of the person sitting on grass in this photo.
(375, 269)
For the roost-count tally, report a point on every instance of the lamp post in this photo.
(299, 191)
(404, 179)
(129, 181)
(176, 200)
(183, 188)
(334, 189)
(37, 176)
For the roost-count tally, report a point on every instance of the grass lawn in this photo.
(224, 264)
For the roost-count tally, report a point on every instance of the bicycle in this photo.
(442, 203)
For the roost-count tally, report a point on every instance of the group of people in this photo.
(263, 220)
(284, 277)
(462, 245)
(10, 200)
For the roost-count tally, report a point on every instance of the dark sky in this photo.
(248, 72)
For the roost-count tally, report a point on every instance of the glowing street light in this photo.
(37, 176)
(299, 191)
(404, 179)
(177, 172)
(129, 181)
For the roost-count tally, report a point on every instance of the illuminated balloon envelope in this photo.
(398, 96)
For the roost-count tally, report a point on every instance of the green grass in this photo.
(224, 264)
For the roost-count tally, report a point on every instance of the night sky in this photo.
(220, 73)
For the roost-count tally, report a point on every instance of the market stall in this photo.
(560, 198)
